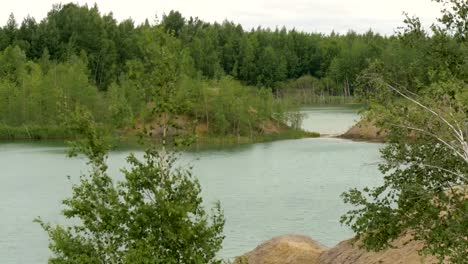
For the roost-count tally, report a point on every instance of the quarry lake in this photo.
(265, 189)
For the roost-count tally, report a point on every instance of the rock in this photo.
(289, 249)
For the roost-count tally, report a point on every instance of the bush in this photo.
(155, 215)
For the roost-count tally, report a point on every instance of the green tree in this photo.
(9, 32)
(272, 67)
(455, 17)
(426, 176)
(246, 64)
(119, 108)
(82, 28)
(204, 52)
(154, 215)
(173, 22)
(425, 165)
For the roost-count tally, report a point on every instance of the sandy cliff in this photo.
(365, 130)
(297, 249)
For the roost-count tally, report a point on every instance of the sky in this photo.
(323, 16)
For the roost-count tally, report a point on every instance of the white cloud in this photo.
(308, 15)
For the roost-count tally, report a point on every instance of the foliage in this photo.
(154, 215)
(260, 57)
(227, 107)
(309, 90)
(34, 132)
(32, 95)
(424, 190)
(455, 18)
(127, 74)
(425, 113)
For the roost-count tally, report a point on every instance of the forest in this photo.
(230, 80)
(178, 75)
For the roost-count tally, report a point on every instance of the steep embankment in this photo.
(365, 130)
(296, 249)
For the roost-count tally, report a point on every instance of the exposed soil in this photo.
(297, 249)
(365, 130)
(403, 251)
(289, 249)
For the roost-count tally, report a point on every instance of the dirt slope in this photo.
(297, 249)
(403, 252)
(289, 249)
(365, 130)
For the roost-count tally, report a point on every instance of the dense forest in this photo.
(232, 80)
(419, 97)
(78, 65)
(260, 57)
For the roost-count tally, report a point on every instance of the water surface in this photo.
(268, 189)
(330, 119)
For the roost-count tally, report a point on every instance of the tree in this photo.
(425, 177)
(9, 32)
(425, 188)
(204, 52)
(272, 67)
(246, 67)
(173, 22)
(119, 108)
(229, 42)
(455, 17)
(80, 28)
(12, 64)
(155, 215)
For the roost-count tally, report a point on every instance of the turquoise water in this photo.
(268, 189)
(331, 120)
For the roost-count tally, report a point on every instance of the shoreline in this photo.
(202, 141)
(365, 130)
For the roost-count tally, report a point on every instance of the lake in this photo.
(329, 119)
(267, 189)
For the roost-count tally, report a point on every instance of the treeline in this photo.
(37, 97)
(260, 57)
(221, 73)
(229, 79)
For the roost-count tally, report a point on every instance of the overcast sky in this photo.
(383, 16)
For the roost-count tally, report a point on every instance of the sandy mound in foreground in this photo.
(289, 249)
(296, 249)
